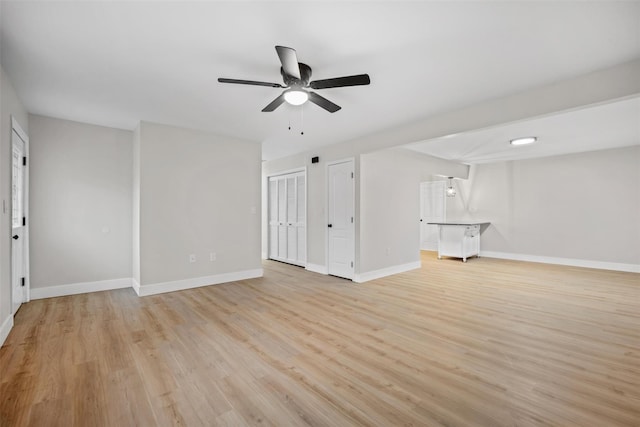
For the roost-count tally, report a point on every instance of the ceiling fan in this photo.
(296, 76)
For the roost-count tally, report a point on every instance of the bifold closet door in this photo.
(287, 218)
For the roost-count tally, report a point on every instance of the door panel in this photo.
(282, 220)
(292, 245)
(291, 220)
(432, 209)
(273, 217)
(341, 245)
(282, 242)
(18, 270)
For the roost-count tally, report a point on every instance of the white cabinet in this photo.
(459, 240)
(287, 218)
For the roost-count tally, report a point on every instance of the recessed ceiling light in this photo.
(524, 141)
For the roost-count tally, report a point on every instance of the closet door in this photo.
(292, 216)
(301, 220)
(273, 217)
(282, 220)
(287, 218)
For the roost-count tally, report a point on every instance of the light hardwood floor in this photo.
(486, 343)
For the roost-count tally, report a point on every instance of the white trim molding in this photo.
(135, 285)
(16, 126)
(196, 282)
(80, 288)
(317, 268)
(601, 265)
(387, 271)
(6, 327)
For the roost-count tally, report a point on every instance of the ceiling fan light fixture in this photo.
(523, 141)
(296, 96)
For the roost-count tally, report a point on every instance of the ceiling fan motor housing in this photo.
(305, 76)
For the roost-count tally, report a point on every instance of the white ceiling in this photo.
(612, 125)
(115, 63)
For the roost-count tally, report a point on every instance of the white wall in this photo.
(80, 203)
(390, 206)
(316, 194)
(582, 207)
(199, 193)
(394, 173)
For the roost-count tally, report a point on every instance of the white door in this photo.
(18, 219)
(291, 220)
(296, 220)
(341, 245)
(287, 218)
(281, 254)
(432, 209)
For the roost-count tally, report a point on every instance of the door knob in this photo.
(16, 237)
(330, 225)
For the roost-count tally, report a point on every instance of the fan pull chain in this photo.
(302, 120)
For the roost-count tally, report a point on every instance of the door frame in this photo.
(306, 210)
(26, 292)
(352, 160)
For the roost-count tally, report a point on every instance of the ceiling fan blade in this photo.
(358, 80)
(289, 61)
(274, 104)
(323, 102)
(249, 82)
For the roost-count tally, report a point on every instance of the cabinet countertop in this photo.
(459, 223)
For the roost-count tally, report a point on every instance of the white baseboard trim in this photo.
(135, 285)
(387, 271)
(317, 268)
(601, 265)
(196, 282)
(80, 288)
(6, 327)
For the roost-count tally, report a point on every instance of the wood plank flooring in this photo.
(486, 343)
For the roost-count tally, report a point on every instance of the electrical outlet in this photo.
(192, 258)
(388, 251)
(212, 256)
